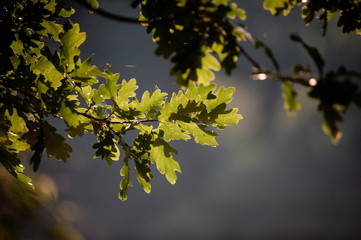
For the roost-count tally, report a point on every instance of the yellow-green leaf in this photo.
(199, 132)
(172, 131)
(161, 153)
(71, 39)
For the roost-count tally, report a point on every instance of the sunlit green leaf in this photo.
(71, 39)
(125, 92)
(161, 153)
(199, 132)
(52, 29)
(125, 183)
(147, 102)
(13, 165)
(222, 96)
(173, 132)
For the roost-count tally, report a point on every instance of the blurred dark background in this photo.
(272, 177)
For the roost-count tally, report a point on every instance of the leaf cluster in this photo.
(197, 36)
(44, 77)
(348, 12)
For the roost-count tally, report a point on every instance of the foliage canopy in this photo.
(42, 76)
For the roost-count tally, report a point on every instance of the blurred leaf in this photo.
(331, 116)
(93, 4)
(274, 5)
(312, 51)
(290, 102)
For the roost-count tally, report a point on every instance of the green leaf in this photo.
(222, 96)
(273, 5)
(200, 92)
(125, 183)
(224, 117)
(329, 126)
(67, 112)
(55, 143)
(199, 133)
(236, 12)
(143, 172)
(49, 71)
(205, 74)
(106, 148)
(86, 74)
(18, 124)
(71, 39)
(52, 29)
(172, 106)
(111, 84)
(14, 166)
(290, 102)
(172, 132)
(93, 4)
(161, 153)
(100, 95)
(147, 102)
(16, 144)
(277, 6)
(125, 92)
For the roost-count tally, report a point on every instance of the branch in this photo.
(107, 121)
(249, 58)
(110, 15)
(259, 68)
(261, 73)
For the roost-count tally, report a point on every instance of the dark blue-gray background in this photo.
(272, 177)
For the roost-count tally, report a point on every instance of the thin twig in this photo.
(107, 121)
(110, 15)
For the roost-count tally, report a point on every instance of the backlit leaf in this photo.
(290, 102)
(172, 131)
(161, 153)
(14, 166)
(71, 39)
(125, 183)
(55, 143)
(199, 132)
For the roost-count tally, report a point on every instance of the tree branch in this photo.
(110, 15)
(259, 68)
(107, 121)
